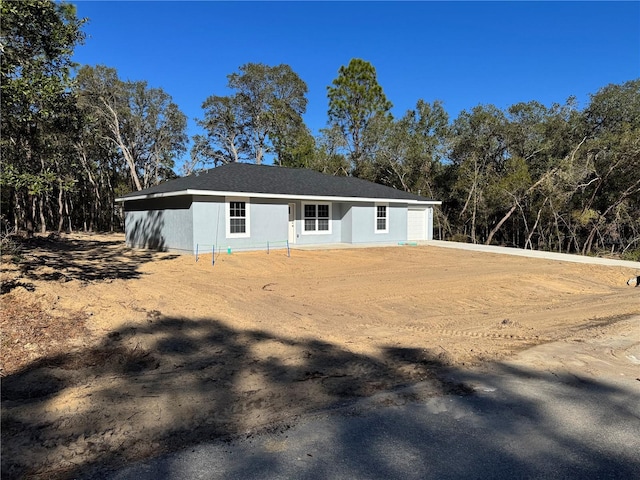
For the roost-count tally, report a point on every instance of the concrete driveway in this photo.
(560, 257)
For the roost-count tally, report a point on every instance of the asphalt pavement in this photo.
(517, 423)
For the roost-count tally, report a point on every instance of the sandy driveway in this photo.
(179, 351)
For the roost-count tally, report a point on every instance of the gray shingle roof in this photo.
(265, 179)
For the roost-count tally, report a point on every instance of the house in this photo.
(244, 206)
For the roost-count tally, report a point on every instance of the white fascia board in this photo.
(153, 195)
(318, 198)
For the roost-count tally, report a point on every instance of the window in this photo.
(317, 218)
(237, 218)
(382, 225)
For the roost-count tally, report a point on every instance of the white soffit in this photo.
(210, 193)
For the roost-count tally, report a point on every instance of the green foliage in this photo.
(556, 177)
(262, 117)
(357, 104)
(585, 217)
(631, 255)
(37, 41)
(614, 109)
(411, 149)
(325, 156)
(142, 123)
(298, 150)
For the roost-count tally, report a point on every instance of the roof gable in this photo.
(276, 181)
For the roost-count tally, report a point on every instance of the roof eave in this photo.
(326, 198)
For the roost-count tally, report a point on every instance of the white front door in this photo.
(292, 223)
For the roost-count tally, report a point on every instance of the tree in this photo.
(103, 96)
(262, 117)
(103, 171)
(531, 160)
(142, 123)
(296, 148)
(326, 156)
(156, 131)
(224, 132)
(479, 154)
(411, 149)
(37, 42)
(355, 101)
(610, 198)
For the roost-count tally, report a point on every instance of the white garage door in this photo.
(416, 224)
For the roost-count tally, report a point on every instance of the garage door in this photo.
(416, 224)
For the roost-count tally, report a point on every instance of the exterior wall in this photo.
(159, 224)
(311, 238)
(347, 223)
(208, 223)
(397, 223)
(268, 222)
(185, 223)
(364, 224)
(429, 223)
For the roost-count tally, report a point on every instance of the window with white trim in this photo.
(237, 217)
(317, 218)
(382, 220)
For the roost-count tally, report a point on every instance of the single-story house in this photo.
(245, 206)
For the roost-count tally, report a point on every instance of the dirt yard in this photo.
(111, 355)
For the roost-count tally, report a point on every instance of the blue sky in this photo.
(462, 53)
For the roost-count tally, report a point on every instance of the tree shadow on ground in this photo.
(178, 382)
(175, 383)
(62, 258)
(590, 431)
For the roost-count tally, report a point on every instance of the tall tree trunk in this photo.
(60, 210)
(500, 223)
(473, 219)
(19, 216)
(43, 220)
(31, 209)
(533, 229)
(119, 141)
(67, 211)
(95, 205)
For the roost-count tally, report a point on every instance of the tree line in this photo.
(559, 177)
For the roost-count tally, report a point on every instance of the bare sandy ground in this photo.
(179, 352)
